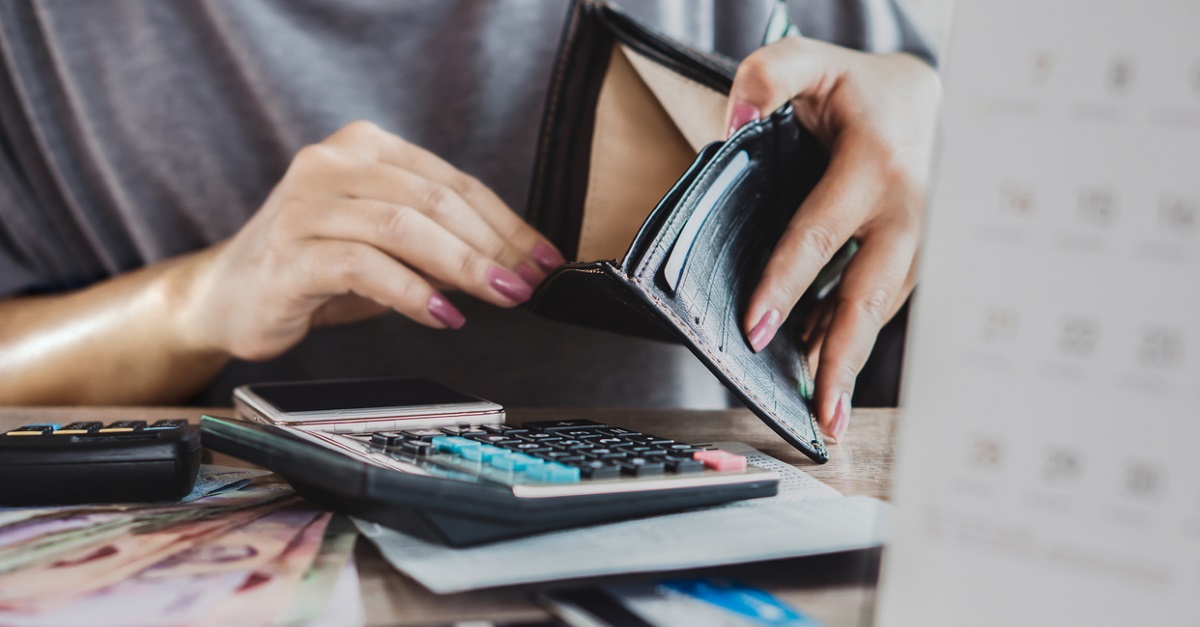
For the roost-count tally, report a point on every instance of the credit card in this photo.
(710, 602)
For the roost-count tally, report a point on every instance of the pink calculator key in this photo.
(721, 460)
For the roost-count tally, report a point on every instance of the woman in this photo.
(195, 195)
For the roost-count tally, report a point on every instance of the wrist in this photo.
(186, 309)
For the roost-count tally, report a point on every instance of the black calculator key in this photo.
(609, 456)
(618, 431)
(123, 426)
(539, 437)
(652, 440)
(579, 433)
(387, 438)
(423, 434)
(553, 426)
(496, 439)
(420, 448)
(641, 467)
(609, 441)
(462, 431)
(530, 448)
(508, 430)
(31, 430)
(684, 466)
(598, 470)
(164, 425)
(555, 455)
(79, 428)
(657, 454)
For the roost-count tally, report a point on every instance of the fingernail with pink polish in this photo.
(764, 330)
(841, 417)
(743, 114)
(546, 257)
(445, 312)
(509, 284)
(529, 274)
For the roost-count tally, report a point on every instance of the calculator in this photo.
(93, 462)
(471, 484)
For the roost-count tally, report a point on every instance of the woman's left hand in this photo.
(877, 115)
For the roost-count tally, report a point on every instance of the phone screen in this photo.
(350, 394)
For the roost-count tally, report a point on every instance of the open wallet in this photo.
(670, 224)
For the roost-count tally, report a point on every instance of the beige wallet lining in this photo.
(650, 124)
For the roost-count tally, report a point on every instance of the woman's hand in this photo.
(876, 114)
(362, 222)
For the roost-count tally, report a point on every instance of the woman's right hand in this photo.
(361, 222)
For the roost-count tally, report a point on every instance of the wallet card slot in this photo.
(650, 228)
(681, 250)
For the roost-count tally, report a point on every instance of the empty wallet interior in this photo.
(650, 123)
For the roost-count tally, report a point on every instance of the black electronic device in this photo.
(470, 484)
(90, 462)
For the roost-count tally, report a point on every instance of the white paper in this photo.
(807, 517)
(1046, 465)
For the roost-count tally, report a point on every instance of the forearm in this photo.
(121, 341)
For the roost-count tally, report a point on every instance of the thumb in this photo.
(790, 68)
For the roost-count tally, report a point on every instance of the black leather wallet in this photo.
(670, 224)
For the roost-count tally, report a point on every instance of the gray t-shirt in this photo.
(133, 131)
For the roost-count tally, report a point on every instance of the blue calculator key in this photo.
(516, 462)
(453, 445)
(552, 473)
(482, 453)
(471, 454)
(505, 461)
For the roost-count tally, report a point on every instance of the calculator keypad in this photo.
(555, 452)
(96, 429)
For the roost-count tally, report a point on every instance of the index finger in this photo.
(791, 68)
(395, 151)
(830, 215)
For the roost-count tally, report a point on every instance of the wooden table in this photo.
(837, 589)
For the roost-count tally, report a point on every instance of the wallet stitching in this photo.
(686, 330)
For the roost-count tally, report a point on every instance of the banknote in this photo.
(181, 589)
(59, 531)
(10, 515)
(215, 479)
(99, 565)
(268, 593)
(316, 590)
(246, 548)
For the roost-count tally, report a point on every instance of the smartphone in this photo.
(361, 405)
